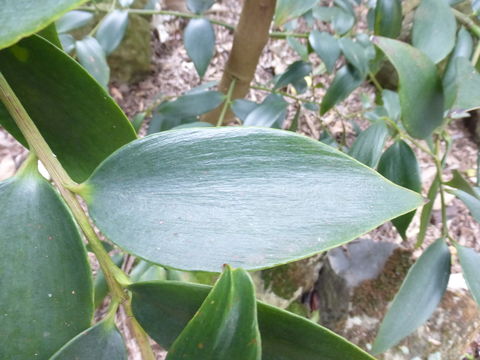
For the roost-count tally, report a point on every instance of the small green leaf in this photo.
(92, 57)
(468, 86)
(73, 20)
(434, 29)
(164, 308)
(61, 98)
(295, 72)
(469, 260)
(46, 297)
(368, 147)
(137, 121)
(388, 18)
(225, 326)
(460, 183)
(346, 80)
(111, 30)
(271, 113)
(418, 297)
(343, 19)
(241, 108)
(421, 93)
(21, 18)
(287, 10)
(399, 164)
(300, 48)
(68, 42)
(199, 41)
(355, 54)
(199, 6)
(472, 203)
(391, 103)
(101, 341)
(426, 214)
(175, 178)
(326, 47)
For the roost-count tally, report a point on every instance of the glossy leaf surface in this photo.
(468, 86)
(175, 178)
(73, 20)
(469, 260)
(111, 30)
(388, 18)
(53, 88)
(92, 57)
(368, 147)
(289, 9)
(46, 297)
(399, 164)
(421, 93)
(326, 47)
(21, 18)
(418, 297)
(225, 326)
(100, 342)
(434, 29)
(164, 309)
(199, 41)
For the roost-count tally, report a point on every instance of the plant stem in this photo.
(438, 165)
(138, 333)
(375, 81)
(63, 181)
(227, 103)
(476, 54)
(474, 28)
(296, 98)
(283, 35)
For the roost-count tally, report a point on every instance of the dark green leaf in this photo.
(368, 147)
(399, 164)
(388, 18)
(199, 6)
(434, 29)
(459, 182)
(296, 71)
(241, 108)
(21, 18)
(199, 41)
(326, 47)
(271, 113)
(111, 30)
(343, 21)
(463, 48)
(421, 94)
(426, 214)
(287, 10)
(164, 309)
(225, 326)
(469, 260)
(91, 55)
(355, 54)
(73, 20)
(418, 297)
(346, 80)
(300, 48)
(50, 33)
(391, 103)
(468, 86)
(45, 278)
(175, 178)
(472, 203)
(100, 342)
(61, 98)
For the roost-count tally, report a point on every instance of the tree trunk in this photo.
(251, 36)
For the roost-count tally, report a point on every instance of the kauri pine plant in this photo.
(219, 200)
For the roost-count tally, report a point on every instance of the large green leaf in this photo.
(287, 10)
(250, 197)
(21, 18)
(164, 308)
(199, 41)
(368, 147)
(399, 164)
(421, 94)
(326, 47)
(100, 342)
(225, 326)
(388, 18)
(418, 297)
(434, 29)
(61, 98)
(46, 287)
(468, 86)
(469, 260)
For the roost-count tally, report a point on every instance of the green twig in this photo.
(474, 28)
(227, 103)
(438, 165)
(296, 98)
(138, 333)
(375, 82)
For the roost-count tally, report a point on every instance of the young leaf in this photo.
(268, 114)
(164, 308)
(46, 286)
(91, 55)
(300, 48)
(199, 6)
(469, 260)
(111, 30)
(355, 55)
(229, 186)
(426, 213)
(434, 29)
(468, 86)
(73, 20)
(346, 80)
(459, 182)
(399, 164)
(287, 10)
(199, 41)
(295, 72)
(34, 16)
(102, 342)
(421, 94)
(225, 326)
(58, 94)
(368, 147)
(471, 202)
(418, 297)
(388, 18)
(326, 47)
